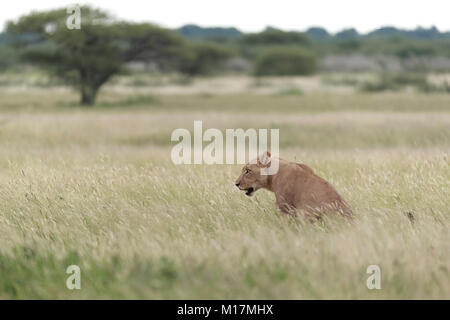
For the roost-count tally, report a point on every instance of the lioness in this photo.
(297, 188)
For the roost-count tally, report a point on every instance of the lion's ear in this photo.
(264, 160)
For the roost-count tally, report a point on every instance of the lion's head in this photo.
(251, 178)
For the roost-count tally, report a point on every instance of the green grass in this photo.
(96, 188)
(64, 100)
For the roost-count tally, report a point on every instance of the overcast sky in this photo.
(255, 15)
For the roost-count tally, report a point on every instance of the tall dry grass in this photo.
(97, 188)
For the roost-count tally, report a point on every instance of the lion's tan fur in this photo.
(297, 189)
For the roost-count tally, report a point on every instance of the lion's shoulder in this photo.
(304, 167)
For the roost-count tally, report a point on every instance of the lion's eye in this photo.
(247, 171)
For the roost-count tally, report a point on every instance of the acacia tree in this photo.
(87, 58)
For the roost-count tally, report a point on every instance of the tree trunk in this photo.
(88, 95)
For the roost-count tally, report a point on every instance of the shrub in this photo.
(204, 58)
(284, 62)
(8, 57)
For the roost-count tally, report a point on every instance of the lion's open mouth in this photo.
(249, 191)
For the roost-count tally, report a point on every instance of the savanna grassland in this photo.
(96, 188)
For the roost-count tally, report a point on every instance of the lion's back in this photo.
(306, 190)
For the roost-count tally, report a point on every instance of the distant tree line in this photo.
(317, 33)
(87, 58)
(429, 42)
